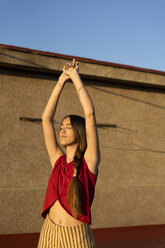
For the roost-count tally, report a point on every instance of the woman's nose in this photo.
(63, 130)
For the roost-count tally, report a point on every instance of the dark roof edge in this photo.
(28, 50)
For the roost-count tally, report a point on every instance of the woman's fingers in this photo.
(76, 64)
(74, 61)
(71, 65)
(67, 66)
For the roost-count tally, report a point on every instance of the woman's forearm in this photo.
(84, 97)
(51, 106)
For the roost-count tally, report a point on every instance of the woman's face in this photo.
(67, 136)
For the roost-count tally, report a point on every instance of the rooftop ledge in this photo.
(47, 62)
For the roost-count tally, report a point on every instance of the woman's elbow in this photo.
(90, 114)
(46, 118)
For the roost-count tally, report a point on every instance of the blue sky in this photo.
(130, 32)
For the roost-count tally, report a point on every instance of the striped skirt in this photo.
(55, 236)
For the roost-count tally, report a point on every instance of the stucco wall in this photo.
(130, 189)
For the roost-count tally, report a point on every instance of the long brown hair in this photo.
(74, 191)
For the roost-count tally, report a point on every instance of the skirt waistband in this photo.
(78, 225)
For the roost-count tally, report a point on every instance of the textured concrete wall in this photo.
(52, 63)
(130, 189)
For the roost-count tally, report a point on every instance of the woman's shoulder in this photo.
(86, 167)
(59, 160)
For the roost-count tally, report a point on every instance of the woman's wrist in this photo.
(77, 81)
(74, 75)
(80, 87)
(62, 79)
(60, 83)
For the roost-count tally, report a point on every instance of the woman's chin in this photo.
(63, 143)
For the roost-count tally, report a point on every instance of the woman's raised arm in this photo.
(92, 153)
(52, 145)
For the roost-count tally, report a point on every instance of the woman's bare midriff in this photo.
(61, 217)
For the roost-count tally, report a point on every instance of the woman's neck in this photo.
(70, 152)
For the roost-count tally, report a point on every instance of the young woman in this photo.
(71, 185)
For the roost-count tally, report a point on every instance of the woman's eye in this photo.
(65, 128)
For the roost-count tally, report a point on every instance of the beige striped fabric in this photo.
(55, 236)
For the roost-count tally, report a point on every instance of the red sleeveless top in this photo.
(58, 184)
